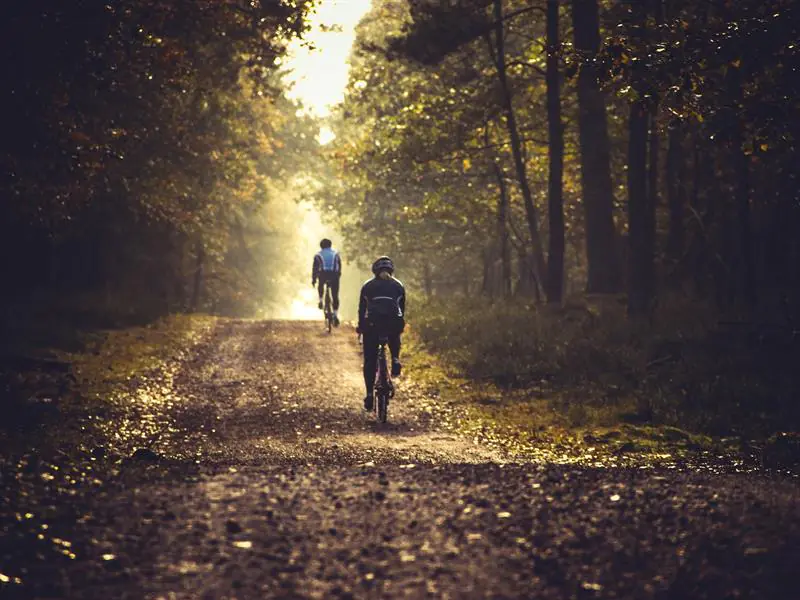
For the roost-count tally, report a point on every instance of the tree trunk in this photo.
(487, 283)
(502, 231)
(427, 279)
(555, 198)
(197, 289)
(654, 157)
(676, 191)
(640, 262)
(640, 208)
(524, 280)
(703, 203)
(516, 145)
(742, 263)
(598, 196)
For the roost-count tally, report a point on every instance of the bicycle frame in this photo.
(384, 388)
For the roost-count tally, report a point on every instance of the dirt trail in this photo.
(287, 392)
(292, 492)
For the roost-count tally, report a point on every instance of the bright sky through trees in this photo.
(319, 63)
(319, 68)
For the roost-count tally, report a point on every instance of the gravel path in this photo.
(270, 482)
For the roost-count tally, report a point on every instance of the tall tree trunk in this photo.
(703, 202)
(676, 193)
(487, 283)
(197, 290)
(640, 261)
(427, 279)
(516, 144)
(502, 231)
(502, 223)
(555, 197)
(598, 195)
(654, 157)
(640, 208)
(524, 280)
(742, 263)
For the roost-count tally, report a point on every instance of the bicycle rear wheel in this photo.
(383, 406)
(328, 310)
(382, 389)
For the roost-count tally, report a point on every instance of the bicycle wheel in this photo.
(382, 386)
(383, 406)
(328, 311)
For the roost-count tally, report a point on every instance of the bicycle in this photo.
(328, 309)
(384, 388)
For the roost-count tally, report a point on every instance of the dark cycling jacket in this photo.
(326, 261)
(381, 300)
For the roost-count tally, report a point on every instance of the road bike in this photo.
(384, 388)
(328, 308)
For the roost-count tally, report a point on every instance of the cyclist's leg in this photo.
(334, 287)
(394, 348)
(395, 345)
(370, 347)
(334, 283)
(321, 288)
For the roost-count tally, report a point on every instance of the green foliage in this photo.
(413, 166)
(156, 124)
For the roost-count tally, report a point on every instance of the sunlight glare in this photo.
(304, 306)
(326, 135)
(319, 64)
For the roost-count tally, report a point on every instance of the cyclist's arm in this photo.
(337, 263)
(315, 269)
(362, 309)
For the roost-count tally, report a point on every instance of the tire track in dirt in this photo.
(286, 391)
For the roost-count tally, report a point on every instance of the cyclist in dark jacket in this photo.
(381, 311)
(327, 267)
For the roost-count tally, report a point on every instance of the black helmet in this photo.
(384, 263)
(325, 243)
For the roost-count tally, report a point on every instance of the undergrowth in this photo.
(595, 366)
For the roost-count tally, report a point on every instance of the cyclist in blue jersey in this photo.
(381, 312)
(327, 268)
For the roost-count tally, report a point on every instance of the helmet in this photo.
(325, 243)
(384, 263)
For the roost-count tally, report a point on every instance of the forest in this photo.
(598, 197)
(589, 195)
(142, 142)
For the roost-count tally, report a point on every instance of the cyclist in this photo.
(327, 268)
(381, 311)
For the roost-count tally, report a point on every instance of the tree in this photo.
(498, 52)
(598, 196)
(555, 199)
(142, 121)
(641, 208)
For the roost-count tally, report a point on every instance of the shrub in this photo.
(683, 367)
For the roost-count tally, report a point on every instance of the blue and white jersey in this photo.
(326, 261)
(329, 259)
